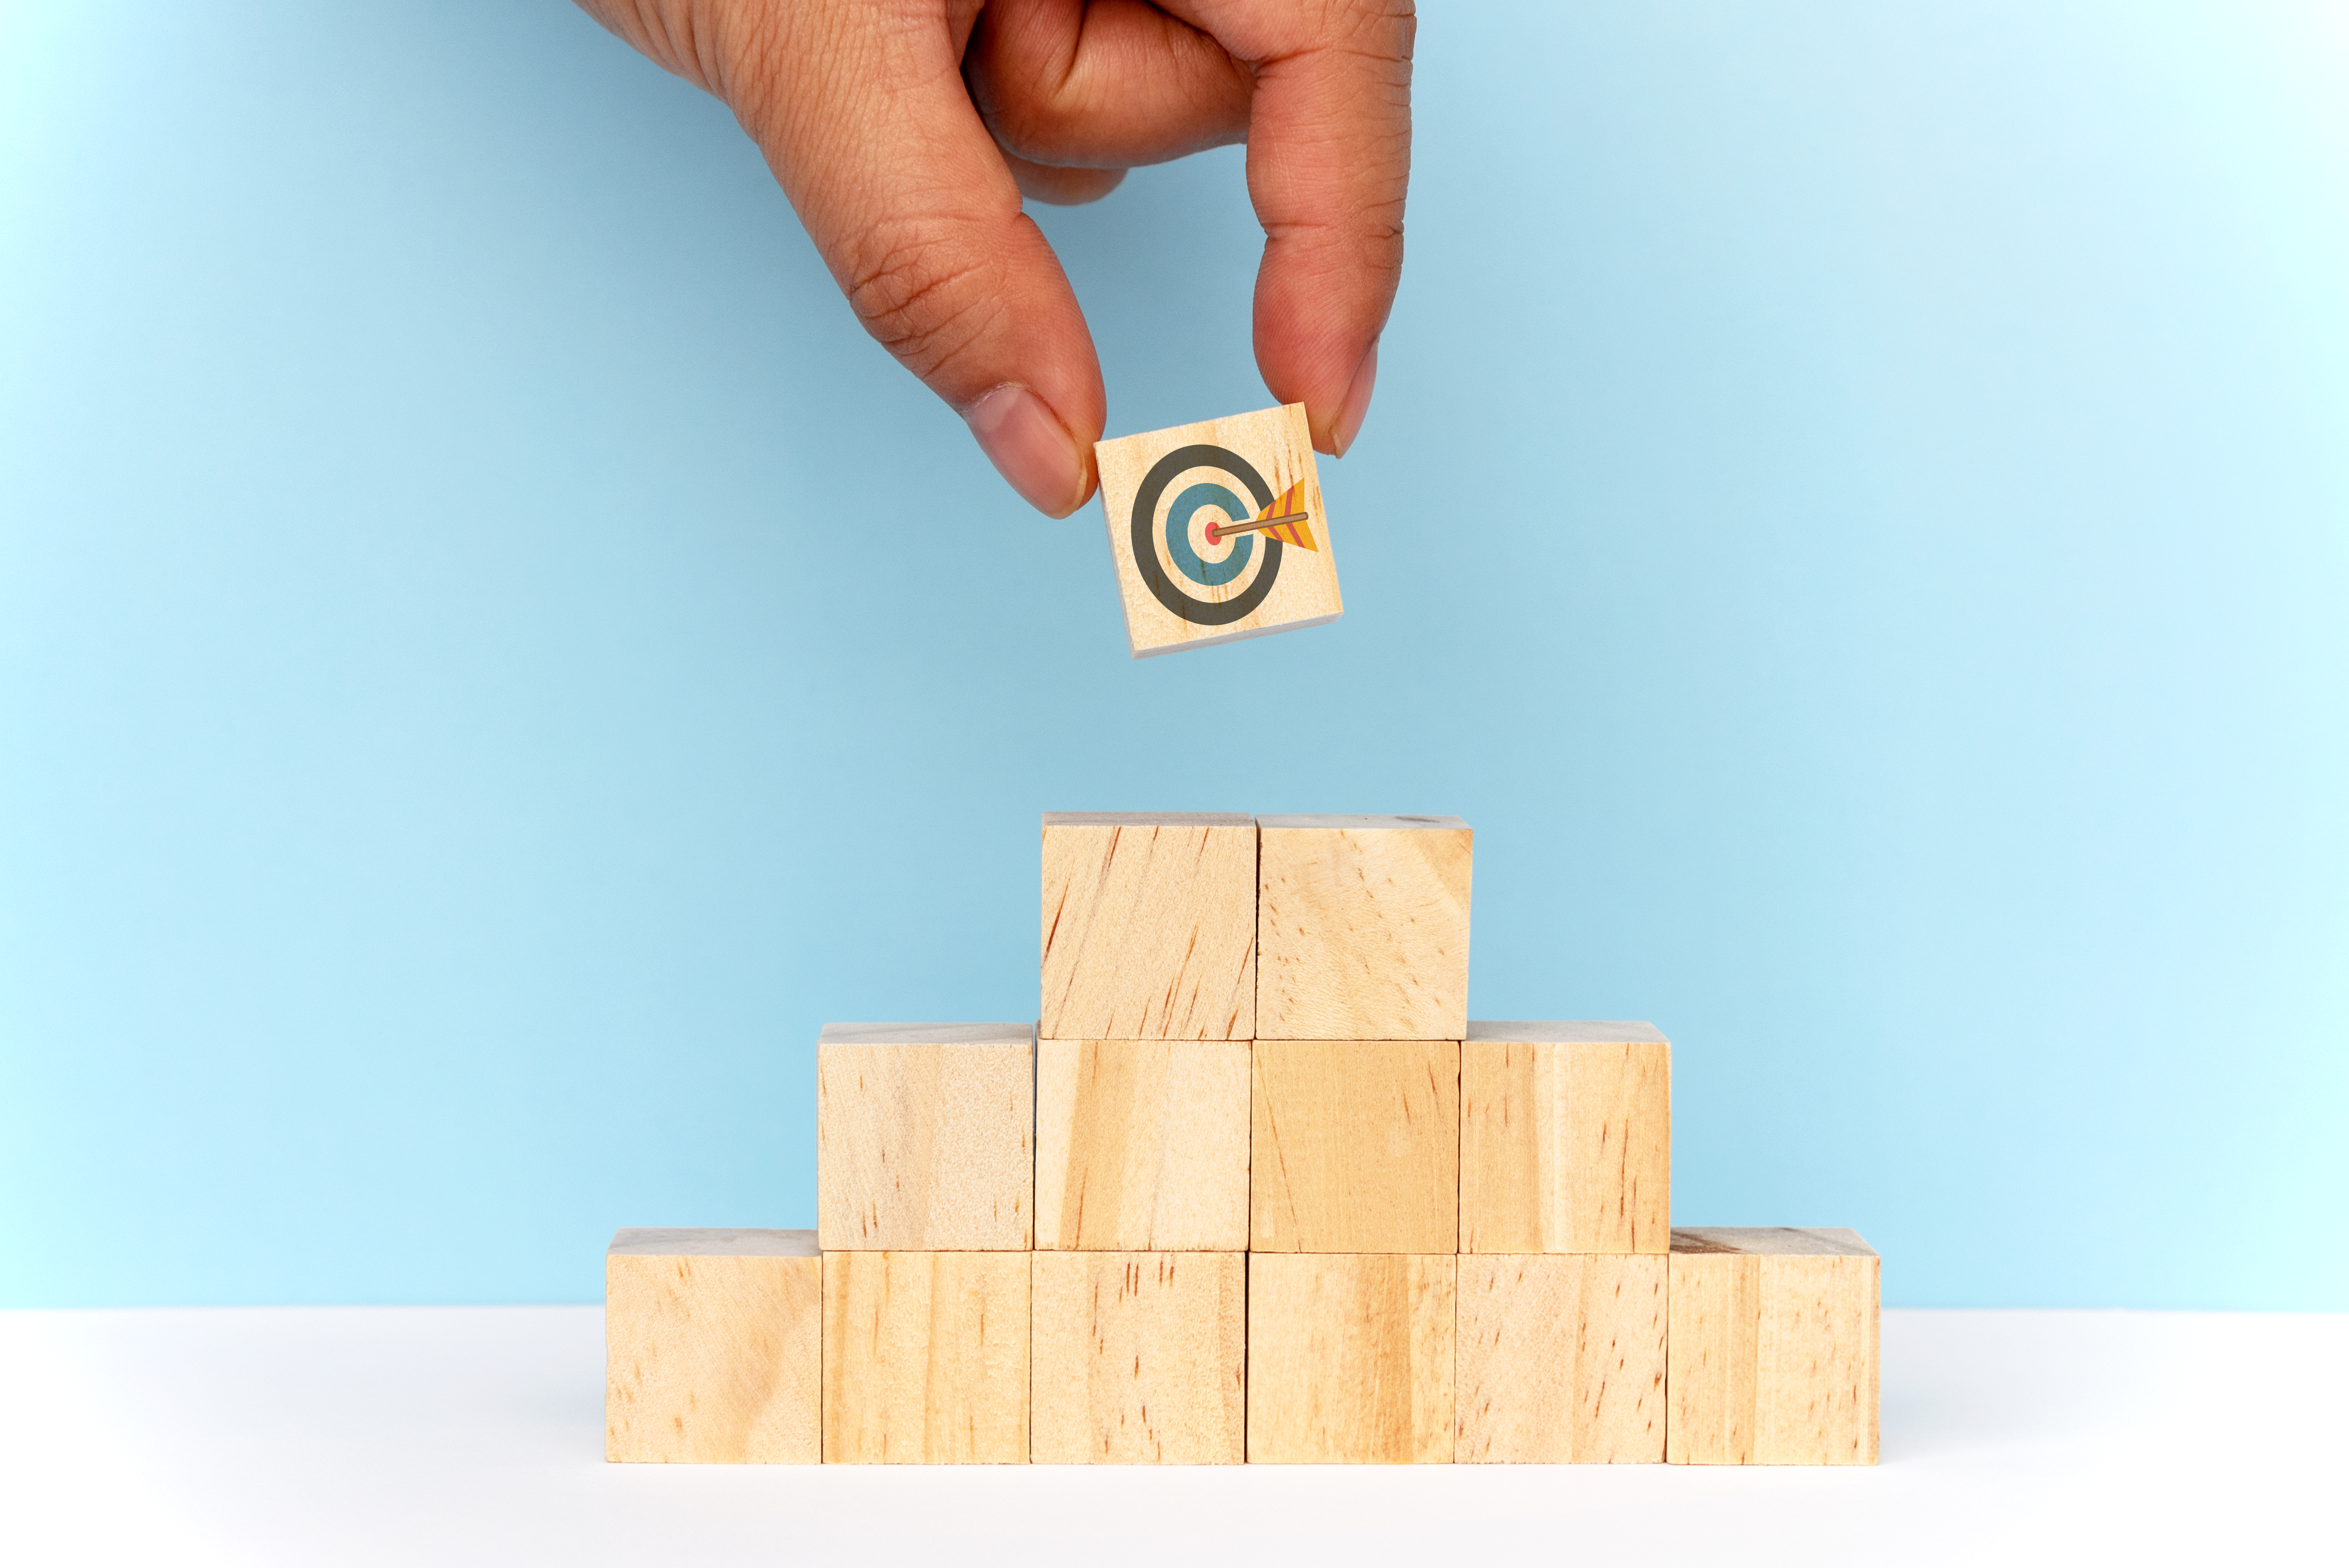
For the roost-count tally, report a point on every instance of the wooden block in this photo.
(1357, 1146)
(712, 1347)
(1566, 1139)
(1140, 1358)
(1142, 1145)
(1171, 496)
(1149, 925)
(923, 1137)
(1773, 1348)
(925, 1357)
(1349, 1359)
(1362, 928)
(1562, 1359)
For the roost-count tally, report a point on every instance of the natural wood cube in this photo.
(1142, 1145)
(1561, 1360)
(1349, 1359)
(1140, 1358)
(925, 1357)
(712, 1347)
(1357, 1146)
(1362, 928)
(923, 1137)
(1218, 531)
(1773, 1348)
(1149, 922)
(1566, 1139)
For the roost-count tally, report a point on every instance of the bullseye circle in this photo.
(1206, 573)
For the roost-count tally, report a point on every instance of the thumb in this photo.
(862, 115)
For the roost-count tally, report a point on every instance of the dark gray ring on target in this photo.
(1199, 612)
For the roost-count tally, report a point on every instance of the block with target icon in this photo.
(1218, 531)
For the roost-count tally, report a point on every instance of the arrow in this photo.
(1284, 519)
(1219, 531)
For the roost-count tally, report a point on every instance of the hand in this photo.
(905, 132)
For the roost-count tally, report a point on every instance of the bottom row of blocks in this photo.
(1742, 1346)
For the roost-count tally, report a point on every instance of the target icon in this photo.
(1212, 545)
(1206, 535)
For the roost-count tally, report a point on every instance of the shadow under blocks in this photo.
(1253, 1187)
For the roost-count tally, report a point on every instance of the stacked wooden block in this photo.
(1253, 1187)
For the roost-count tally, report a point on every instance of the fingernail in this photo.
(1358, 401)
(1029, 448)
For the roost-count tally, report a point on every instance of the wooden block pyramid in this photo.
(1253, 1189)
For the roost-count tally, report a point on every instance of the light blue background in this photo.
(1856, 515)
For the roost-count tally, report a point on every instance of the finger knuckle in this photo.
(1037, 117)
(919, 291)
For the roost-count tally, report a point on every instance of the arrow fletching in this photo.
(1287, 519)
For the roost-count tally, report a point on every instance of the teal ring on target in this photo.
(1187, 561)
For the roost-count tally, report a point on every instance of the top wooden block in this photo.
(713, 1345)
(924, 1137)
(1362, 927)
(1169, 495)
(1566, 1138)
(1772, 1344)
(1149, 926)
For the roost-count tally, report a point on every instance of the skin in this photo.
(906, 133)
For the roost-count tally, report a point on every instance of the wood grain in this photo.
(1566, 1138)
(1773, 1348)
(1561, 1360)
(712, 1347)
(1142, 1145)
(1362, 928)
(924, 1137)
(1349, 1359)
(1149, 926)
(925, 1357)
(1356, 1147)
(1140, 1358)
(1278, 444)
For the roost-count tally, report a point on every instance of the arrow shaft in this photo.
(1222, 528)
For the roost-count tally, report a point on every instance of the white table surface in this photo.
(455, 1435)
